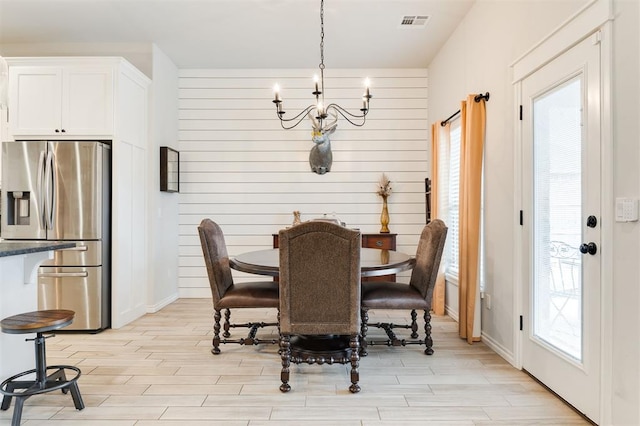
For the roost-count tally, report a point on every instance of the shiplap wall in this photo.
(242, 170)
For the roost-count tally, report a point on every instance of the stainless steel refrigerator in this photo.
(60, 190)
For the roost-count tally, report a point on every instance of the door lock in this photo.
(592, 221)
(590, 248)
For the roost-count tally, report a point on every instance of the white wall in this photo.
(626, 244)
(477, 58)
(240, 168)
(163, 206)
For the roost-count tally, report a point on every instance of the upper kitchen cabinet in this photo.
(61, 98)
(72, 101)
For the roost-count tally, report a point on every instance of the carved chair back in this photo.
(216, 258)
(319, 279)
(428, 257)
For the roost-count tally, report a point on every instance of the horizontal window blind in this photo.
(453, 192)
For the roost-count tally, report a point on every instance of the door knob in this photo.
(590, 248)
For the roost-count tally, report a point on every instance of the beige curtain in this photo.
(472, 126)
(439, 139)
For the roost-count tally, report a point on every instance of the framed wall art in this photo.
(169, 169)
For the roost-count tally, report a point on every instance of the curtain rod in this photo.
(477, 98)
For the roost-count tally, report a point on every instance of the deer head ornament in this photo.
(320, 157)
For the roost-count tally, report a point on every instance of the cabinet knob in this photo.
(57, 131)
(63, 130)
(379, 243)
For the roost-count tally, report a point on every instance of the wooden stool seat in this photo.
(37, 321)
(15, 386)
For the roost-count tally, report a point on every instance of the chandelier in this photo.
(319, 112)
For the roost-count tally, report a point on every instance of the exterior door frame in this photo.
(596, 15)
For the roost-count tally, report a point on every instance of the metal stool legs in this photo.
(41, 384)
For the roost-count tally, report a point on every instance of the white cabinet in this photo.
(65, 101)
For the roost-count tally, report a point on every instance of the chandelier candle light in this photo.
(319, 112)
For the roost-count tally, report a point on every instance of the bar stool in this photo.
(38, 322)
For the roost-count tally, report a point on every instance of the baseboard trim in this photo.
(152, 309)
(451, 313)
(499, 349)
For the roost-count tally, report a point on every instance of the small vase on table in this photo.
(384, 217)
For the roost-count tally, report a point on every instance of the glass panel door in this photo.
(561, 196)
(557, 203)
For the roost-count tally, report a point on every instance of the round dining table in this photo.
(373, 262)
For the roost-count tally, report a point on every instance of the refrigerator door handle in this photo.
(40, 190)
(50, 190)
(77, 248)
(63, 274)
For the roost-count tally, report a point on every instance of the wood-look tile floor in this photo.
(158, 371)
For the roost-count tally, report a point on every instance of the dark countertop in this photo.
(14, 248)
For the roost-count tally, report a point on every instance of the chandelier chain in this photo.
(322, 35)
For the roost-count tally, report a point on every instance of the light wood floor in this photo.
(159, 371)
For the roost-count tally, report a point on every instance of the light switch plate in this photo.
(626, 209)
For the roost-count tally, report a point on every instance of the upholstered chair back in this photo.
(216, 258)
(319, 279)
(428, 256)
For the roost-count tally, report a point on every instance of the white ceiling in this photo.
(244, 33)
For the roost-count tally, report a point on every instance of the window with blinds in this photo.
(453, 202)
(449, 181)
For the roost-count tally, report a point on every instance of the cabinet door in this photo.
(87, 101)
(34, 100)
(71, 101)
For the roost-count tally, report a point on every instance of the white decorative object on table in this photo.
(296, 218)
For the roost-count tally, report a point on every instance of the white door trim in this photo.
(597, 14)
(606, 235)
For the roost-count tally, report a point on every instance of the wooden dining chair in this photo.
(229, 295)
(414, 296)
(319, 297)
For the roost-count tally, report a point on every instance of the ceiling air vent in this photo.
(414, 20)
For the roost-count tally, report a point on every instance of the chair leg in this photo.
(11, 388)
(227, 323)
(364, 327)
(77, 398)
(428, 342)
(17, 411)
(285, 356)
(414, 324)
(216, 332)
(355, 358)
(6, 400)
